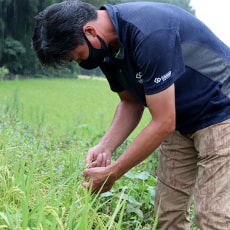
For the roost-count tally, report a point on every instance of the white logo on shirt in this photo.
(157, 80)
(139, 77)
(163, 78)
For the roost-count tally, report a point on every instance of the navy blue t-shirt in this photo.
(161, 44)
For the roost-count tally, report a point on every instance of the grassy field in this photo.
(46, 129)
(82, 107)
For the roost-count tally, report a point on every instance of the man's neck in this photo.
(107, 30)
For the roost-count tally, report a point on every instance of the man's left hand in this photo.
(100, 177)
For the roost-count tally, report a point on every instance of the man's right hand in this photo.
(98, 157)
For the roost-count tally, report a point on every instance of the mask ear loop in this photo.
(96, 56)
(103, 45)
(87, 41)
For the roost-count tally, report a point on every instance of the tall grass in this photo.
(40, 182)
(42, 157)
(46, 129)
(75, 106)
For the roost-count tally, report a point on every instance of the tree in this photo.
(96, 3)
(16, 29)
(3, 72)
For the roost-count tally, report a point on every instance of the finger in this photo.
(108, 162)
(85, 173)
(99, 160)
(93, 165)
(85, 184)
(88, 163)
(89, 159)
(104, 160)
(88, 185)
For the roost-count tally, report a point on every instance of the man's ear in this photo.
(91, 35)
(89, 30)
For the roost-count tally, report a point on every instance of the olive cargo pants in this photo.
(196, 165)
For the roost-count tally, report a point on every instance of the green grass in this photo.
(75, 106)
(46, 129)
(40, 182)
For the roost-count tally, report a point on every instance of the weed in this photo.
(44, 139)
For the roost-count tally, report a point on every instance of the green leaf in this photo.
(151, 181)
(141, 176)
(106, 194)
(131, 209)
(130, 175)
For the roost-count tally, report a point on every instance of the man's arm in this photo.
(162, 109)
(127, 116)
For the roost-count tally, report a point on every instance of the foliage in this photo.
(96, 3)
(16, 29)
(13, 53)
(66, 104)
(3, 72)
(40, 167)
(40, 181)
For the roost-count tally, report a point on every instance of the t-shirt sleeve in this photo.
(160, 59)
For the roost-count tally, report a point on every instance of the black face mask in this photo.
(96, 56)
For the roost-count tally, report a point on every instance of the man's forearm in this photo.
(162, 109)
(143, 145)
(126, 118)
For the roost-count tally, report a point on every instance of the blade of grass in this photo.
(121, 216)
(10, 221)
(39, 207)
(31, 173)
(156, 218)
(25, 212)
(84, 219)
(4, 217)
(118, 207)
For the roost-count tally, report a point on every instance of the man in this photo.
(161, 57)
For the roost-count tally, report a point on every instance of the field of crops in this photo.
(83, 107)
(46, 128)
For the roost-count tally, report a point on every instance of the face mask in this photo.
(96, 56)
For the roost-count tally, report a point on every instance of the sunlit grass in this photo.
(46, 129)
(75, 106)
(41, 182)
(41, 165)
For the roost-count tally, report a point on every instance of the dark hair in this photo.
(58, 30)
